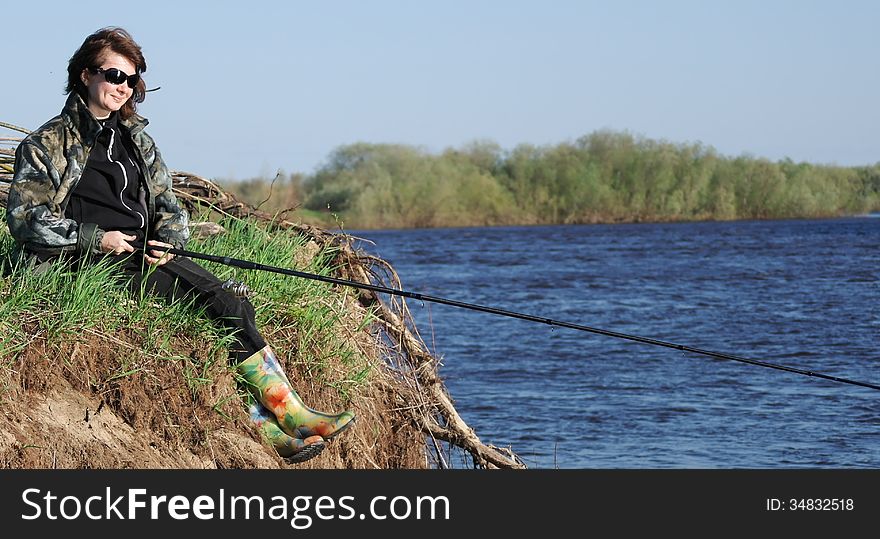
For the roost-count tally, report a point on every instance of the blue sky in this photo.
(250, 88)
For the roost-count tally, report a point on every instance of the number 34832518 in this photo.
(811, 504)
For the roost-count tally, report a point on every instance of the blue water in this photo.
(799, 293)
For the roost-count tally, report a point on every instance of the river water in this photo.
(804, 294)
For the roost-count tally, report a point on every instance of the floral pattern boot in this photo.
(271, 388)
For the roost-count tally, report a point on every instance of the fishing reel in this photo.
(237, 288)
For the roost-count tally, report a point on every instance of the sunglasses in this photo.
(115, 76)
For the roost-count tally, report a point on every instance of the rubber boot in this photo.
(268, 383)
(293, 450)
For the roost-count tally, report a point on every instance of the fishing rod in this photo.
(246, 264)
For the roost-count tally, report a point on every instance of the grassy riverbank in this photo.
(603, 177)
(92, 376)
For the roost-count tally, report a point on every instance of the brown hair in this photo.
(91, 54)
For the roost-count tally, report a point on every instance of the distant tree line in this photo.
(602, 177)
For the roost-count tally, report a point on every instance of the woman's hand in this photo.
(159, 257)
(116, 242)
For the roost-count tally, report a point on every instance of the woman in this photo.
(91, 183)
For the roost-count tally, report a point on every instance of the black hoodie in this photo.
(109, 193)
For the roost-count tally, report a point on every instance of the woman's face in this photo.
(106, 97)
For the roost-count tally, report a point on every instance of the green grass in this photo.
(300, 318)
(303, 311)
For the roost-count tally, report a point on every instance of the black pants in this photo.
(183, 279)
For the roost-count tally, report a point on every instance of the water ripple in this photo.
(797, 293)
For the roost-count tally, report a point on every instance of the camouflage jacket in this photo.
(49, 163)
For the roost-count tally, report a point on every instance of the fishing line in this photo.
(246, 264)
